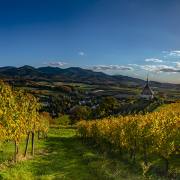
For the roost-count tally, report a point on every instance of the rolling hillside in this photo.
(74, 74)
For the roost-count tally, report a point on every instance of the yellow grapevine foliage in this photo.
(16, 113)
(19, 114)
(44, 122)
(156, 132)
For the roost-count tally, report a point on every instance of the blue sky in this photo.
(130, 37)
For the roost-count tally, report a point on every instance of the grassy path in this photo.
(63, 156)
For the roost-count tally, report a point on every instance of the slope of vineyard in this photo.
(155, 133)
(144, 138)
(63, 156)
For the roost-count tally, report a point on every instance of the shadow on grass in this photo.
(66, 157)
(63, 159)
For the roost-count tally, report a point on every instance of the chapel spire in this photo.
(147, 92)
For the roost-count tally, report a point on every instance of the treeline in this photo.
(79, 107)
(110, 106)
(20, 118)
(153, 133)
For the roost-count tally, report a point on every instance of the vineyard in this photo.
(139, 138)
(155, 133)
(20, 118)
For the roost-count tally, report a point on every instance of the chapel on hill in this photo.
(147, 93)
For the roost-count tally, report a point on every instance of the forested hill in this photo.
(74, 74)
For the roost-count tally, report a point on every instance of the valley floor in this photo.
(63, 156)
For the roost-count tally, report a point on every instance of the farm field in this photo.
(119, 91)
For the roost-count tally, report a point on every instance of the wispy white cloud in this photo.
(173, 53)
(154, 68)
(81, 53)
(134, 65)
(157, 68)
(170, 70)
(111, 67)
(177, 64)
(55, 64)
(155, 60)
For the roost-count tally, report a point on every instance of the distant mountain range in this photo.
(74, 74)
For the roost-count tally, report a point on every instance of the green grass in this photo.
(63, 156)
(7, 149)
(62, 120)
